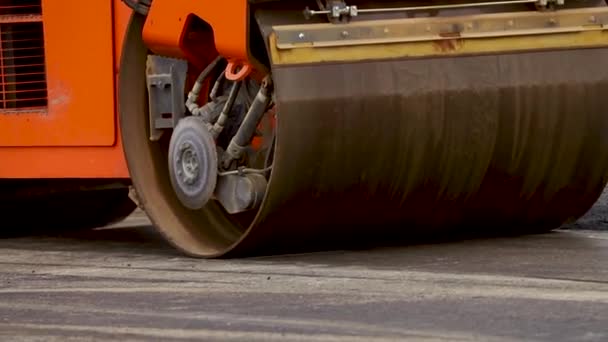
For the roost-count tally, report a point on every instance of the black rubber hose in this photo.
(218, 127)
(193, 96)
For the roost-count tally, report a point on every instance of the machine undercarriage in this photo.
(358, 121)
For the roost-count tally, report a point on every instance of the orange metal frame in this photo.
(166, 31)
(77, 136)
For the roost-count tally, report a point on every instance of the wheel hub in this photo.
(193, 162)
(189, 162)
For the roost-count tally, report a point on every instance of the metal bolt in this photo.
(386, 30)
(592, 19)
(552, 21)
(510, 23)
(470, 26)
(301, 35)
(344, 34)
(428, 28)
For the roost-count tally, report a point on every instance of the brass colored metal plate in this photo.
(438, 48)
(444, 28)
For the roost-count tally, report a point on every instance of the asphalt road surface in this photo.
(125, 283)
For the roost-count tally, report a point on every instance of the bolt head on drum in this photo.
(193, 163)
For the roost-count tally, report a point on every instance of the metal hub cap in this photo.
(192, 163)
(188, 164)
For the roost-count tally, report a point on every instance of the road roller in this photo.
(251, 127)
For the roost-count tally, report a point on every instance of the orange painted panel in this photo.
(164, 29)
(78, 161)
(62, 162)
(79, 53)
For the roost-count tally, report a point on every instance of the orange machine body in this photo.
(76, 133)
(166, 31)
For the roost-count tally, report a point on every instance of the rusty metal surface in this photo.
(382, 151)
(387, 149)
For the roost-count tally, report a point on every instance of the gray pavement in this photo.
(125, 283)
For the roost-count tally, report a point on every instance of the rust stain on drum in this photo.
(451, 42)
(389, 148)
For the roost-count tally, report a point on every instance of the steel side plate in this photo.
(433, 29)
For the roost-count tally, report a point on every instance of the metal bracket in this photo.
(339, 9)
(546, 3)
(239, 193)
(437, 29)
(166, 82)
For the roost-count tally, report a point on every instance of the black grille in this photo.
(22, 63)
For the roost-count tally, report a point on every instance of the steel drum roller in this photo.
(487, 142)
(387, 149)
